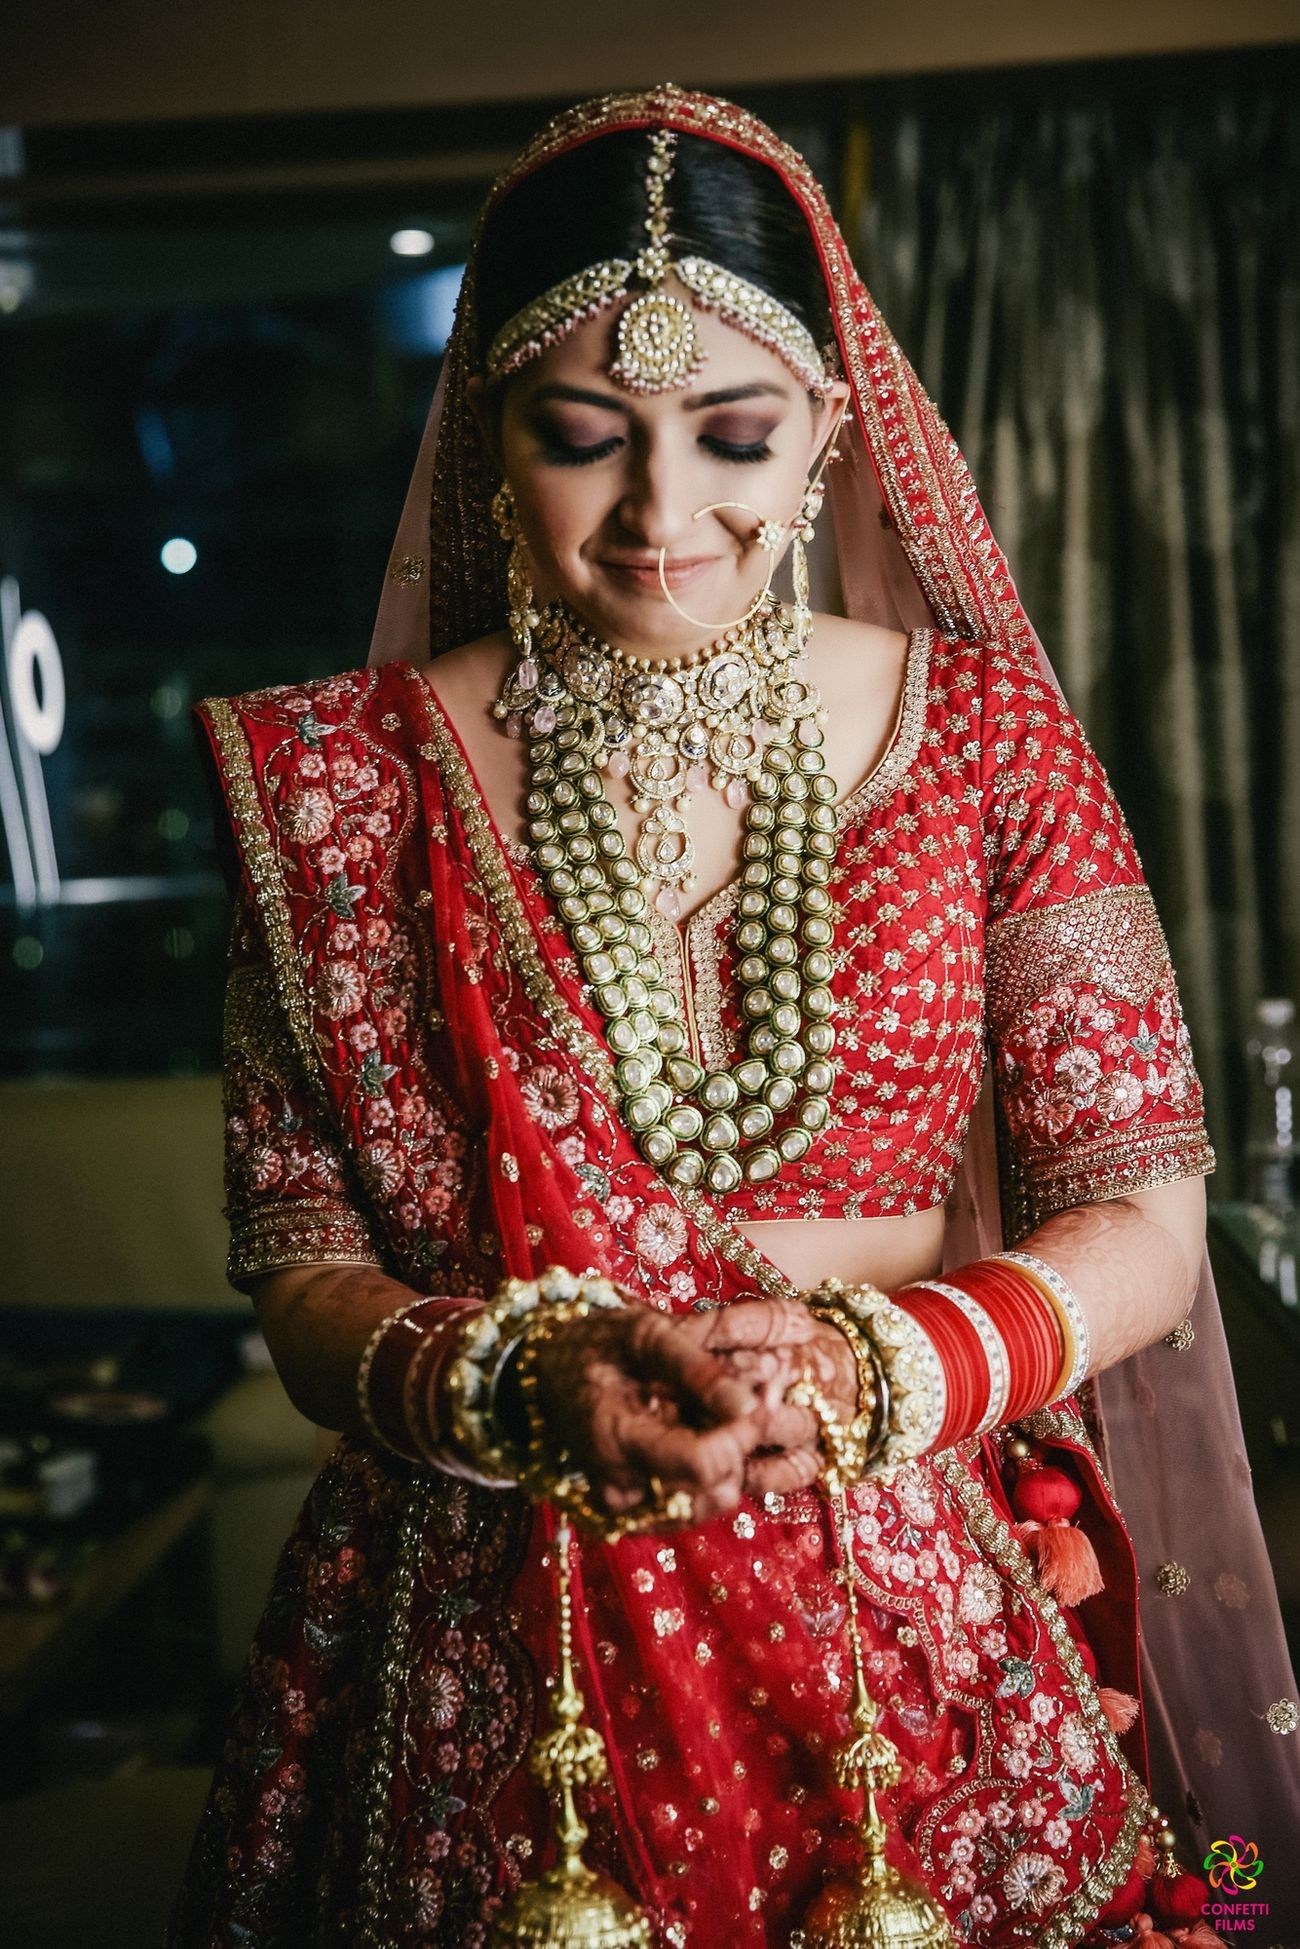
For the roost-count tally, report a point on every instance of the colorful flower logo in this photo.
(1234, 1864)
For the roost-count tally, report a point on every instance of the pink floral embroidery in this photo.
(307, 816)
(551, 1096)
(660, 1234)
(340, 989)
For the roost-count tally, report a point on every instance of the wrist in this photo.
(955, 1357)
(398, 1373)
(488, 1420)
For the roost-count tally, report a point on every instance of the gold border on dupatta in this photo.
(990, 1531)
(258, 850)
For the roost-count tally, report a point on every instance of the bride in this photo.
(610, 1140)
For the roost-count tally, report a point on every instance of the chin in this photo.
(642, 619)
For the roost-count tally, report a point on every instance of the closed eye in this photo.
(564, 453)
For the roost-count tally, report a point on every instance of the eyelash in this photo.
(560, 455)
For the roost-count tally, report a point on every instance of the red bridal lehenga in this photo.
(417, 1079)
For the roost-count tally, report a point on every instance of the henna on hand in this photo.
(634, 1395)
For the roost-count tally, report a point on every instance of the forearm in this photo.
(1132, 1262)
(317, 1321)
(991, 1348)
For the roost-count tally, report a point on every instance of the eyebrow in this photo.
(727, 396)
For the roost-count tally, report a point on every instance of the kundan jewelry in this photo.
(656, 346)
(580, 702)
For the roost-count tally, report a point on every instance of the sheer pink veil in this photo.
(912, 547)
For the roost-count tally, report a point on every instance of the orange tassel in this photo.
(1067, 1562)
(1199, 1936)
(1121, 1708)
(1045, 1498)
(1145, 1858)
(1148, 1936)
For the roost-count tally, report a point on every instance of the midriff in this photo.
(887, 1252)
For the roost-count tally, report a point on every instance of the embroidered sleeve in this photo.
(287, 1199)
(1097, 1092)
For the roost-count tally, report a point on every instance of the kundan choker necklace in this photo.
(673, 725)
(738, 705)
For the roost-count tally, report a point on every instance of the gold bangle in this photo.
(873, 1388)
(915, 1391)
(472, 1371)
(548, 1473)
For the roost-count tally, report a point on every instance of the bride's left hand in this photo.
(788, 1341)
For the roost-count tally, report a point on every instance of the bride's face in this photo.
(604, 478)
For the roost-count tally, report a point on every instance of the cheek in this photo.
(559, 511)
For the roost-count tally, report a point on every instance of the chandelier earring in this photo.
(801, 534)
(519, 691)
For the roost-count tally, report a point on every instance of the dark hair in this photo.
(590, 204)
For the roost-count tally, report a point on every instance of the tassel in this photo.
(1067, 1562)
(1178, 1899)
(1145, 1858)
(1147, 1936)
(1121, 1708)
(1199, 1936)
(1045, 1499)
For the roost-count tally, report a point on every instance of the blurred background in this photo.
(230, 244)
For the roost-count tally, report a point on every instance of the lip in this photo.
(643, 574)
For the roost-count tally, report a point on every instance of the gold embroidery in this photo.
(1173, 1580)
(253, 1026)
(394, 1662)
(1112, 939)
(280, 1232)
(259, 857)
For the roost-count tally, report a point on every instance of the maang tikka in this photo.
(657, 348)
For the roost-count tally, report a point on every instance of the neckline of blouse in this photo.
(880, 782)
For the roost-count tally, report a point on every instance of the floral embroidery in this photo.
(551, 1096)
(660, 1234)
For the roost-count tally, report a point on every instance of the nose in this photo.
(658, 499)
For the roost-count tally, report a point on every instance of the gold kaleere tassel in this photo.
(571, 1906)
(882, 1909)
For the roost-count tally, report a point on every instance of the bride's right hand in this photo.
(637, 1394)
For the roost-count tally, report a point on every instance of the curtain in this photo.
(1104, 300)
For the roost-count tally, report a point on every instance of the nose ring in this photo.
(770, 536)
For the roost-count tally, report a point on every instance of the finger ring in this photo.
(680, 1506)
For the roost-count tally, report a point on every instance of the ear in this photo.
(828, 417)
(485, 405)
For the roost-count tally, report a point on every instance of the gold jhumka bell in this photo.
(570, 1906)
(881, 1909)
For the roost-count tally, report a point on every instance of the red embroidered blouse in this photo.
(986, 887)
(987, 893)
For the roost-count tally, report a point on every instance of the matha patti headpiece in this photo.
(657, 347)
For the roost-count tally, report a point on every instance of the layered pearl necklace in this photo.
(739, 704)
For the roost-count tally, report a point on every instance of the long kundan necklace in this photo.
(740, 707)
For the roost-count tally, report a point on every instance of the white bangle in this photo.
(994, 1346)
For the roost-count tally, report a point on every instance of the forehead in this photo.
(730, 359)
